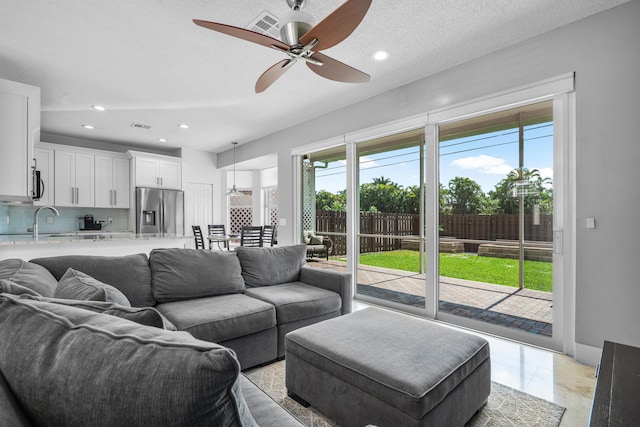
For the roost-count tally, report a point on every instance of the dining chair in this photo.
(251, 236)
(197, 235)
(269, 235)
(218, 230)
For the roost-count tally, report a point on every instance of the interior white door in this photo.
(199, 206)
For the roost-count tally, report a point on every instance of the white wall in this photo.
(243, 179)
(270, 177)
(603, 52)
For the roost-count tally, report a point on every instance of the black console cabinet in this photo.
(616, 400)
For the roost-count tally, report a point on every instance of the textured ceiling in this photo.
(147, 63)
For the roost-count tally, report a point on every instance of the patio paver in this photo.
(525, 309)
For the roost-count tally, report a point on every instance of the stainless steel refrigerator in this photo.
(159, 211)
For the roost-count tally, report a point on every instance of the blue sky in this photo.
(486, 159)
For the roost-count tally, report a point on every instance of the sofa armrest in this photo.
(332, 281)
(264, 409)
(11, 413)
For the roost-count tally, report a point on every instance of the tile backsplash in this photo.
(16, 219)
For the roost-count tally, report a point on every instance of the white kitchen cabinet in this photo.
(19, 130)
(157, 172)
(45, 164)
(111, 182)
(146, 172)
(74, 179)
(170, 174)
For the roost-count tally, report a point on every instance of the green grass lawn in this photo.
(500, 271)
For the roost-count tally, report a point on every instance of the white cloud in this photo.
(367, 162)
(485, 164)
(546, 173)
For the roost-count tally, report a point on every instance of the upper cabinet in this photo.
(74, 179)
(156, 171)
(111, 182)
(19, 130)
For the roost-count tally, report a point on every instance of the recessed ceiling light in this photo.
(381, 55)
(87, 126)
(162, 140)
(98, 107)
(183, 126)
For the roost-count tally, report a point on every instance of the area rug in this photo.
(506, 406)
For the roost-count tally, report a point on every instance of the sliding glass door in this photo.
(496, 218)
(390, 229)
(324, 205)
(466, 217)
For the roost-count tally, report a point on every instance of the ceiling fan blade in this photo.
(241, 33)
(336, 70)
(338, 25)
(272, 74)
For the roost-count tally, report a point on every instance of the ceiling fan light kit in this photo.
(301, 40)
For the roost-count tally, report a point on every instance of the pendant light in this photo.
(234, 190)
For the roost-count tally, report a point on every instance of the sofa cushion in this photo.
(130, 274)
(144, 315)
(9, 287)
(271, 266)
(220, 318)
(67, 367)
(79, 286)
(29, 275)
(182, 274)
(296, 301)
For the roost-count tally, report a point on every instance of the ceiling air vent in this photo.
(266, 23)
(140, 126)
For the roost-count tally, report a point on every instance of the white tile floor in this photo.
(542, 373)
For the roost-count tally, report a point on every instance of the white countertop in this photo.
(79, 236)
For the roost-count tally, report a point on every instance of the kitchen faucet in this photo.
(35, 219)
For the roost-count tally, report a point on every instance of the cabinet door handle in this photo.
(115, 197)
(73, 196)
(77, 195)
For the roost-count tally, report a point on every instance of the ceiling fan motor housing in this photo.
(296, 4)
(293, 25)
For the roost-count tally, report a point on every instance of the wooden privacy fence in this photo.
(496, 227)
(474, 227)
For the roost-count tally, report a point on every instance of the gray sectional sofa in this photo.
(157, 340)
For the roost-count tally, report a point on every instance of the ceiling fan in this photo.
(303, 41)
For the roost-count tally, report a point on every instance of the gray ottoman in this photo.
(379, 367)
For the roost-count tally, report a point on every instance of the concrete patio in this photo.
(525, 309)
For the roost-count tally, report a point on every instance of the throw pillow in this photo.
(79, 286)
(29, 275)
(307, 235)
(129, 273)
(316, 240)
(144, 315)
(271, 266)
(111, 371)
(180, 274)
(10, 287)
